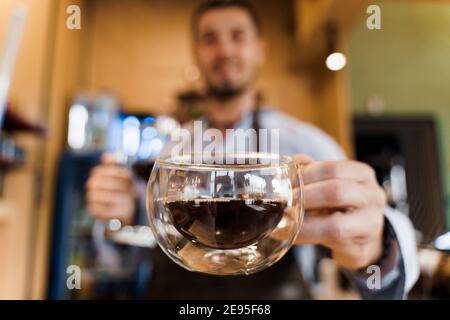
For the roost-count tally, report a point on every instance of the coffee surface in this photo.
(226, 223)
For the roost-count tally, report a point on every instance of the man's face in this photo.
(228, 49)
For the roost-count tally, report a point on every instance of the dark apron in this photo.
(283, 280)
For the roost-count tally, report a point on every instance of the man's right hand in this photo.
(110, 192)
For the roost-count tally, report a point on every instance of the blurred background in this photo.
(127, 75)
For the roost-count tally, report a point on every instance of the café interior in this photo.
(371, 74)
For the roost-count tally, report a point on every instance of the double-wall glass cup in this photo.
(227, 214)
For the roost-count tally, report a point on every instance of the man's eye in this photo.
(208, 38)
(238, 36)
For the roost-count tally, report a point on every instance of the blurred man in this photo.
(347, 208)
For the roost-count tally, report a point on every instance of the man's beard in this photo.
(226, 91)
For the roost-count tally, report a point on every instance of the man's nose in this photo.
(225, 47)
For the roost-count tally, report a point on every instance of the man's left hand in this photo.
(345, 207)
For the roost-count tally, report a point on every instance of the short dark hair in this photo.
(208, 5)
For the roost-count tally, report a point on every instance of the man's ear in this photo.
(194, 53)
(262, 51)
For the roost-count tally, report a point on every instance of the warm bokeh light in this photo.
(336, 61)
